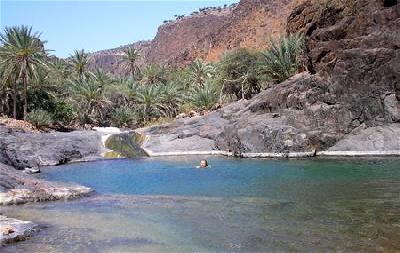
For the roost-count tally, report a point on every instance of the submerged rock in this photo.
(13, 230)
(17, 187)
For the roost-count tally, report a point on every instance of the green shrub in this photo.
(40, 99)
(40, 118)
(63, 113)
(123, 117)
(237, 73)
(282, 60)
(206, 97)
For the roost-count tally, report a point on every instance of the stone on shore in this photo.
(17, 187)
(379, 138)
(13, 230)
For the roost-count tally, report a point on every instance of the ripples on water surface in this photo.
(164, 204)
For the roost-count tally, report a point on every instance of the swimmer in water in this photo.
(203, 164)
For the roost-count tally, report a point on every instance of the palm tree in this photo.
(90, 97)
(204, 98)
(199, 72)
(59, 71)
(171, 97)
(102, 78)
(153, 74)
(282, 59)
(6, 83)
(131, 91)
(80, 62)
(149, 98)
(129, 61)
(22, 53)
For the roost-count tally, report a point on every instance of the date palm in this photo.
(59, 71)
(282, 59)
(129, 61)
(149, 98)
(205, 97)
(22, 54)
(6, 84)
(171, 97)
(89, 96)
(154, 74)
(80, 62)
(199, 72)
(102, 78)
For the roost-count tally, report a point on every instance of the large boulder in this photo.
(22, 150)
(13, 230)
(379, 138)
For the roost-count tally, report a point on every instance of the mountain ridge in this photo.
(207, 34)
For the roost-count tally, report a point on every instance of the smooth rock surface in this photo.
(17, 187)
(31, 150)
(13, 230)
(382, 138)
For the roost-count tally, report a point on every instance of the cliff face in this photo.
(349, 102)
(109, 59)
(355, 46)
(209, 34)
(249, 24)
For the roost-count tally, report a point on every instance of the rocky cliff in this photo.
(351, 91)
(208, 34)
(109, 60)
(250, 24)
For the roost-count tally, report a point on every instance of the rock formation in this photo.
(17, 187)
(208, 34)
(13, 230)
(110, 60)
(22, 149)
(354, 59)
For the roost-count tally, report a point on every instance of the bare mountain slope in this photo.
(208, 34)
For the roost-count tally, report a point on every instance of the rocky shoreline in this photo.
(21, 152)
(345, 103)
(19, 187)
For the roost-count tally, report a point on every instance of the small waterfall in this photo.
(125, 145)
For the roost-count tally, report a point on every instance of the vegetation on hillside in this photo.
(49, 91)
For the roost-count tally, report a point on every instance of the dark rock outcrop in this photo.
(355, 45)
(297, 115)
(381, 138)
(354, 52)
(29, 150)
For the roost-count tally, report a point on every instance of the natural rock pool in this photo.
(165, 204)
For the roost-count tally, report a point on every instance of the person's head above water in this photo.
(203, 164)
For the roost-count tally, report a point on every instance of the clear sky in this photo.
(95, 25)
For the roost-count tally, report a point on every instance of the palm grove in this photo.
(53, 92)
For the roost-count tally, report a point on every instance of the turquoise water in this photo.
(249, 205)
